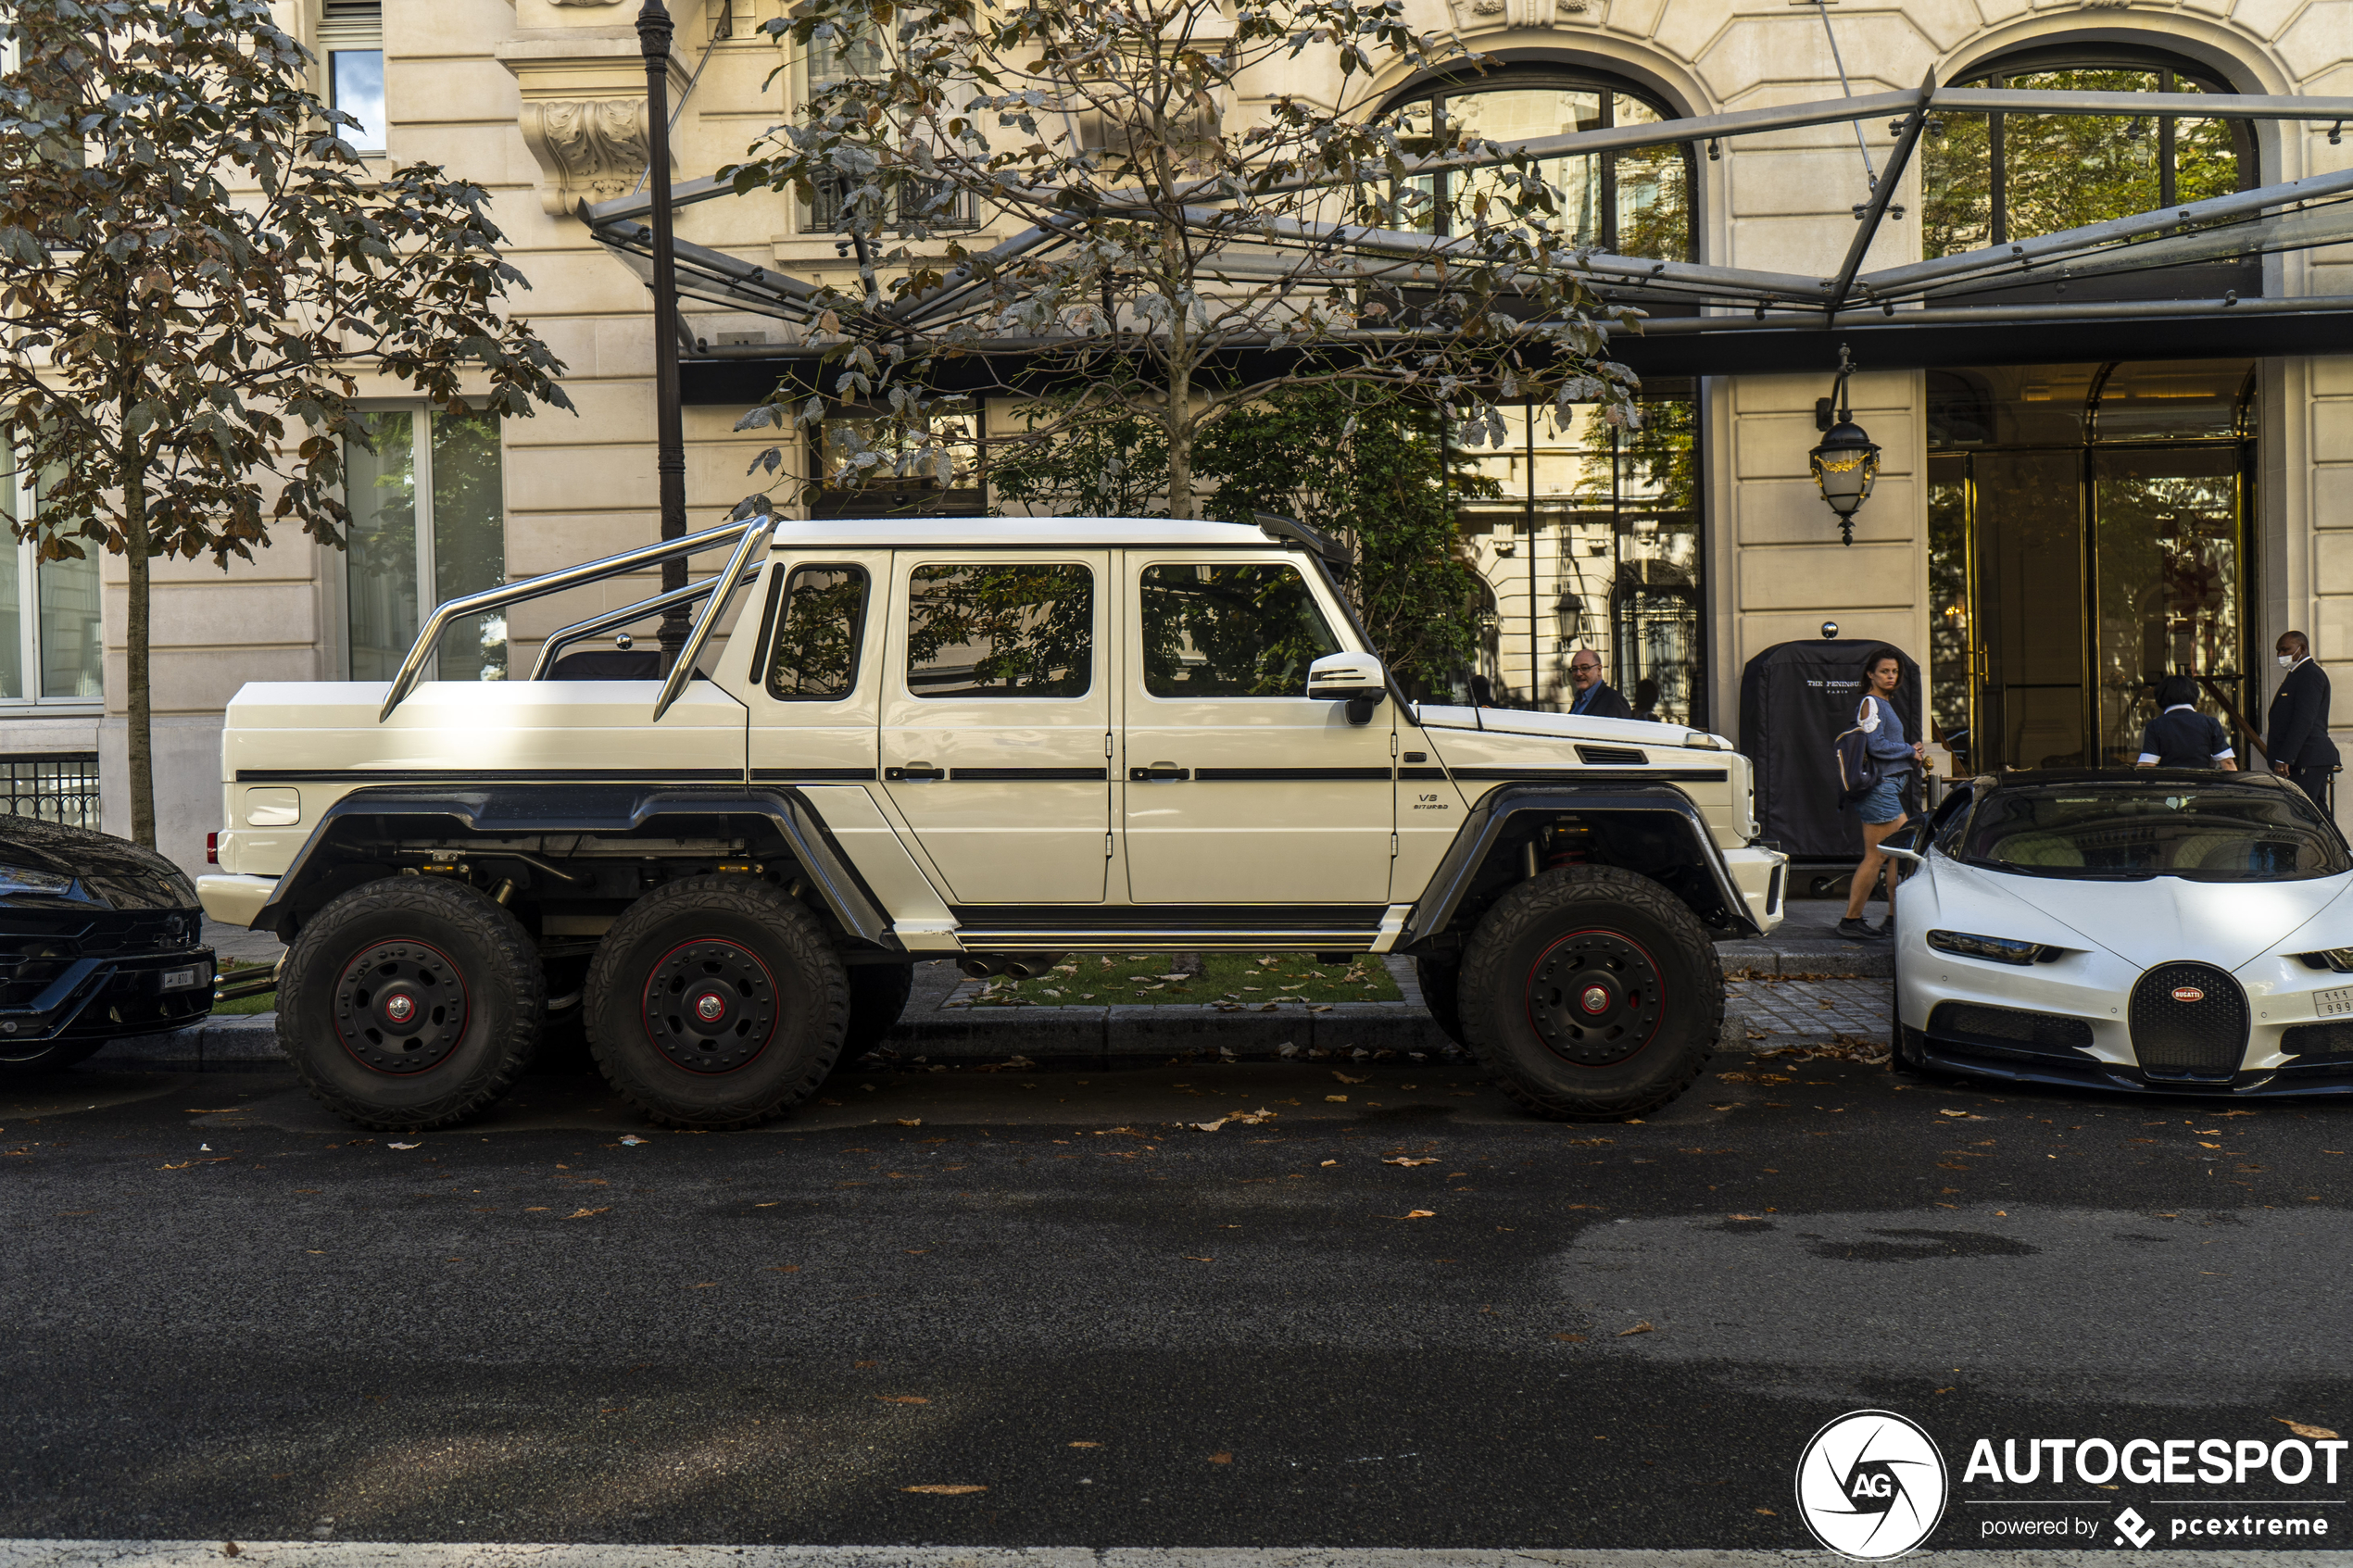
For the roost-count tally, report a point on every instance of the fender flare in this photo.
(1490, 820)
(510, 810)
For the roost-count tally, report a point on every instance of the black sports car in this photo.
(98, 938)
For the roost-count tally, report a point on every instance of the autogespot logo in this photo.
(1871, 1485)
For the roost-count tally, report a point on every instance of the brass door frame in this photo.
(1983, 703)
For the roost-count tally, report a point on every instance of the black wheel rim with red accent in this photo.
(1595, 999)
(400, 1006)
(710, 1005)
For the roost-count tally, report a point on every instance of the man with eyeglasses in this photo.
(1595, 698)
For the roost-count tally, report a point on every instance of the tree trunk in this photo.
(139, 742)
(1179, 425)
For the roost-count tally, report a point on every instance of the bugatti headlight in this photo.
(2000, 950)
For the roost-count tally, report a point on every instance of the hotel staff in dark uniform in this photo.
(2296, 731)
(2181, 736)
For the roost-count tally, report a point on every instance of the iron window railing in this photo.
(55, 786)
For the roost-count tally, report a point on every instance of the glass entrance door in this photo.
(2088, 536)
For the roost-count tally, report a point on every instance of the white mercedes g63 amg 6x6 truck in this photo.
(997, 740)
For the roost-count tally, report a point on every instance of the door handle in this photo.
(1159, 772)
(914, 771)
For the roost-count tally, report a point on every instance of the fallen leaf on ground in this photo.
(404, 1146)
(1335, 1099)
(902, 1399)
(1416, 1214)
(1086, 1445)
(1570, 1338)
(1190, 1259)
(1402, 1160)
(1207, 1126)
(2318, 1434)
(1221, 1458)
(1642, 1327)
(911, 1121)
(631, 1140)
(217, 1159)
(1768, 1510)
(937, 1491)
(1952, 1113)
(1346, 1079)
(1331, 1161)
(782, 1269)
(588, 1213)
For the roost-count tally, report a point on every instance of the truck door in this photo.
(1237, 788)
(808, 681)
(996, 720)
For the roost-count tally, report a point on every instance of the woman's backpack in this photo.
(1858, 771)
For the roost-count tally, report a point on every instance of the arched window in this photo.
(1991, 179)
(1635, 203)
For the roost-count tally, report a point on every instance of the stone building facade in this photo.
(2044, 533)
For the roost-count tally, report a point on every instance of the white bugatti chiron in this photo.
(2156, 930)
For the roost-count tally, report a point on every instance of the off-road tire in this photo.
(23, 1063)
(781, 996)
(878, 994)
(1441, 994)
(1591, 931)
(452, 949)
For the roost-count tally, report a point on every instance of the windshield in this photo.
(2131, 831)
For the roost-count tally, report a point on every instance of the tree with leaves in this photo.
(1179, 266)
(1360, 464)
(198, 278)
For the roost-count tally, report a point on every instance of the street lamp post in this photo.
(669, 442)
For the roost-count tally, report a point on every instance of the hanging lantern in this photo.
(1846, 462)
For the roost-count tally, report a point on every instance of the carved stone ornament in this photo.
(593, 149)
(1486, 15)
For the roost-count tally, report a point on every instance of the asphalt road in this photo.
(231, 1318)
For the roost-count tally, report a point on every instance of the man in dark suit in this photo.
(2296, 731)
(1595, 696)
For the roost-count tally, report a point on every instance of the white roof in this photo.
(1065, 532)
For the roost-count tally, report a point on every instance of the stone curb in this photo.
(1095, 1037)
(1829, 957)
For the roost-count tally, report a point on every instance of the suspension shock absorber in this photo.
(1566, 845)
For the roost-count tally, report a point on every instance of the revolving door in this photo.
(2089, 535)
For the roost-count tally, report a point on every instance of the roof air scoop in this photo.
(1290, 530)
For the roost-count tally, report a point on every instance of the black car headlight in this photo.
(2000, 950)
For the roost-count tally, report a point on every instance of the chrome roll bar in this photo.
(581, 631)
(740, 534)
(755, 540)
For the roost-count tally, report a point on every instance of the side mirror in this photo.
(1356, 679)
(1907, 844)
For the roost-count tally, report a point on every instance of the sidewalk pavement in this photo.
(1802, 983)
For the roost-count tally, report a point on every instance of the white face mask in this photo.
(2287, 661)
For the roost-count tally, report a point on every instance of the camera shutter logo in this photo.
(1871, 1485)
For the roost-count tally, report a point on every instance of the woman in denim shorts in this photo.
(1882, 808)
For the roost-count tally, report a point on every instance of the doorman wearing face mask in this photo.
(2296, 732)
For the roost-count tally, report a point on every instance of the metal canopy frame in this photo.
(2293, 215)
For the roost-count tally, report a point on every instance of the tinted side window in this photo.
(1025, 629)
(1230, 631)
(821, 625)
